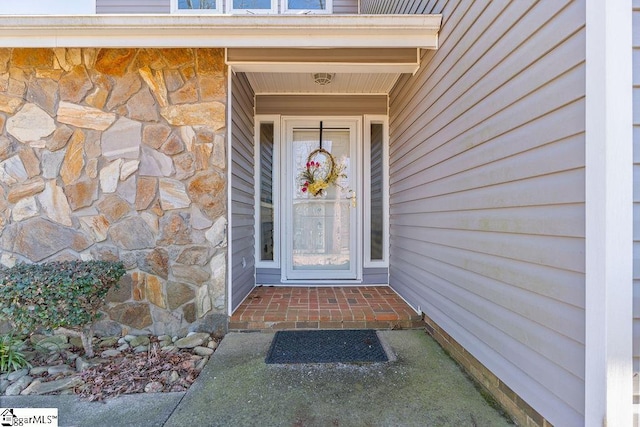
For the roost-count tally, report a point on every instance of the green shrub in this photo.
(57, 295)
(11, 357)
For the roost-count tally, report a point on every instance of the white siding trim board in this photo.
(609, 216)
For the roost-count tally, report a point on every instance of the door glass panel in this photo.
(321, 226)
(266, 213)
(377, 192)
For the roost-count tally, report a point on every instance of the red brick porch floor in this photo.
(362, 307)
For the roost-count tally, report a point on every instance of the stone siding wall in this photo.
(119, 154)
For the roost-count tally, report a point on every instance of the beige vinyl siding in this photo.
(487, 191)
(242, 187)
(345, 6)
(396, 6)
(636, 204)
(133, 6)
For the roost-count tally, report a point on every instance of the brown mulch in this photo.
(132, 372)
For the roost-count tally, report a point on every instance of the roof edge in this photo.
(172, 30)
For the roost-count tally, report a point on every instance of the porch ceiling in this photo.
(355, 71)
(303, 83)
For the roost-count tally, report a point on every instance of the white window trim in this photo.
(327, 10)
(366, 196)
(218, 9)
(275, 119)
(230, 9)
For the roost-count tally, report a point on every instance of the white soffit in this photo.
(173, 30)
(303, 83)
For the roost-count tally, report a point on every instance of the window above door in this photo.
(253, 7)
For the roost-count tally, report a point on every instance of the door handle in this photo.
(353, 199)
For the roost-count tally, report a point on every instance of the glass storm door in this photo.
(320, 225)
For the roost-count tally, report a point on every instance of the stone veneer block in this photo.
(10, 104)
(128, 168)
(155, 135)
(124, 89)
(60, 138)
(132, 233)
(208, 190)
(13, 171)
(31, 123)
(205, 113)
(55, 205)
(145, 192)
(30, 162)
(25, 209)
(96, 225)
(73, 159)
(217, 234)
(155, 81)
(179, 294)
(114, 62)
(75, 84)
(155, 163)
(135, 315)
(138, 107)
(84, 117)
(113, 207)
(37, 239)
(109, 176)
(81, 194)
(26, 189)
(173, 194)
(43, 93)
(122, 140)
(154, 291)
(6, 147)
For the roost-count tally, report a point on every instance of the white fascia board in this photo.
(300, 31)
(322, 67)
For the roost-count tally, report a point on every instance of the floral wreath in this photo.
(316, 177)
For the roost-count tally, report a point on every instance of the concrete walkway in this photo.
(421, 387)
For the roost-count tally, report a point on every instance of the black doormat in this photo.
(326, 346)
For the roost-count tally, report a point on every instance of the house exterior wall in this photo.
(397, 6)
(487, 191)
(119, 154)
(242, 190)
(636, 205)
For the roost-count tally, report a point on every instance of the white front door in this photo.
(321, 227)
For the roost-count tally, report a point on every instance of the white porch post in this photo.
(609, 218)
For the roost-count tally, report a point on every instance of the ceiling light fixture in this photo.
(322, 79)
